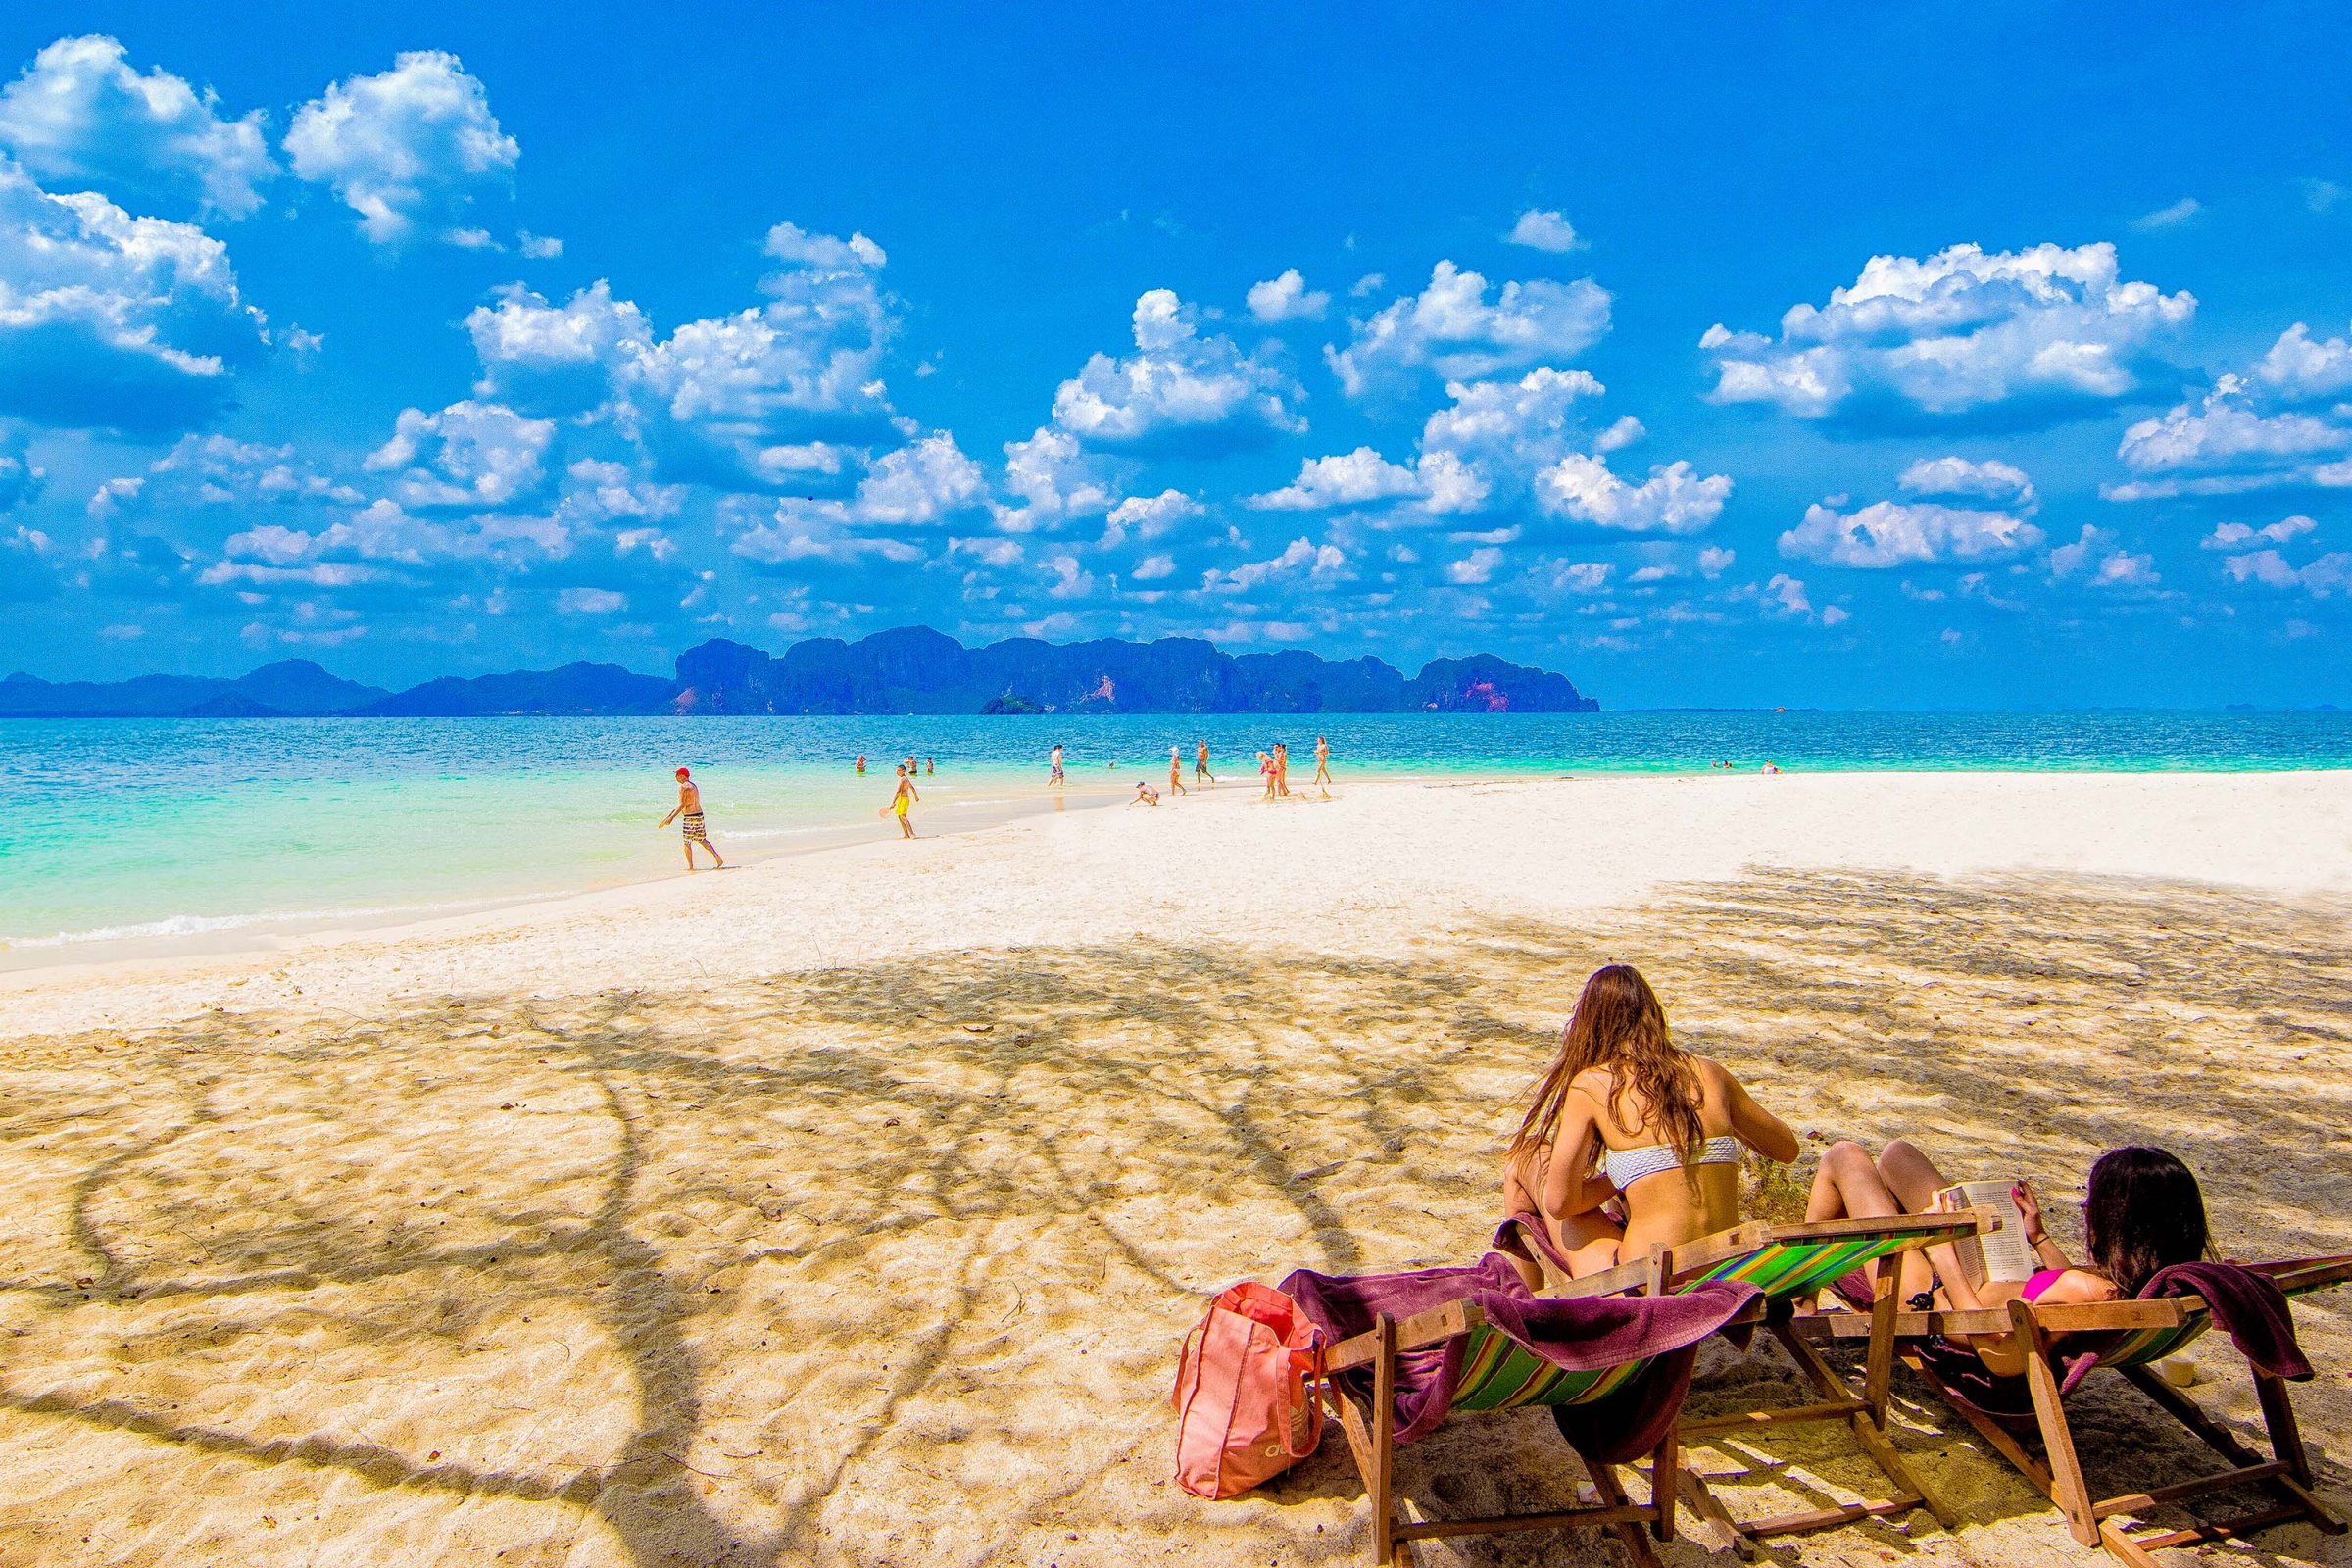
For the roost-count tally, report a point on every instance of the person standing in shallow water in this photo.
(1055, 777)
(688, 813)
(899, 803)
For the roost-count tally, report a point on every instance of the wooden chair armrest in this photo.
(1432, 1327)
(2081, 1318)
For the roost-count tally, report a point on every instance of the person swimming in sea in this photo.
(862, 764)
(899, 802)
(688, 815)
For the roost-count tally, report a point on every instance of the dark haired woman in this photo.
(1624, 1112)
(2144, 1213)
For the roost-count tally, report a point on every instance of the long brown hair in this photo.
(1618, 1025)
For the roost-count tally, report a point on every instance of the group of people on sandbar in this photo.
(1630, 1141)
(1273, 769)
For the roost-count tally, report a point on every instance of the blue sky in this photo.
(1934, 356)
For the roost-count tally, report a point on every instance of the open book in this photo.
(2000, 1255)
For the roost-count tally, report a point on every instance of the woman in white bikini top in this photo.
(1622, 1112)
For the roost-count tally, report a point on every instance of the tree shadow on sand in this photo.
(888, 1262)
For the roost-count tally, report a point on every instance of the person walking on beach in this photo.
(899, 803)
(1282, 767)
(1201, 762)
(688, 815)
(1176, 771)
(1055, 776)
(1265, 770)
(1322, 760)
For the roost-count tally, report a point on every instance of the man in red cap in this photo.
(688, 815)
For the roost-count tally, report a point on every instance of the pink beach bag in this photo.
(1245, 1405)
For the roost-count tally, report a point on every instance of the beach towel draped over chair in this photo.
(1410, 1350)
(2064, 1343)
(1787, 1264)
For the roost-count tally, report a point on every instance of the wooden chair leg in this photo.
(1878, 1380)
(1612, 1494)
(2057, 1438)
(1387, 1550)
(1665, 1489)
(2219, 1439)
(2287, 1438)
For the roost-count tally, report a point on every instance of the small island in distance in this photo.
(911, 669)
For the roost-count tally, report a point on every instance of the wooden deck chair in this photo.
(1791, 1263)
(1498, 1373)
(2150, 1330)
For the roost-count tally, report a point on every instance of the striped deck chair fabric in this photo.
(1499, 1373)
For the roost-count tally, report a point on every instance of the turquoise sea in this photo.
(126, 829)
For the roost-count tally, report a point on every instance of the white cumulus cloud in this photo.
(1675, 499)
(2231, 441)
(81, 115)
(756, 399)
(109, 320)
(1287, 298)
(1055, 479)
(1896, 533)
(408, 147)
(1150, 517)
(1179, 391)
(474, 455)
(2298, 370)
(1541, 230)
(1999, 482)
(1961, 330)
(2236, 535)
(1350, 479)
(1451, 330)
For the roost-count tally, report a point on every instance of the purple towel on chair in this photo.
(1527, 1235)
(1577, 1335)
(2245, 1306)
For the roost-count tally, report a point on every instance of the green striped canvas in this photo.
(1499, 1373)
(1792, 1268)
(2141, 1345)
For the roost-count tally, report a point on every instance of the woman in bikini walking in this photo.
(1624, 1113)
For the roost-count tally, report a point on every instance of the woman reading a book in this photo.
(2143, 1213)
(1625, 1113)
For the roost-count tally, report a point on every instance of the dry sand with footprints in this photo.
(848, 1210)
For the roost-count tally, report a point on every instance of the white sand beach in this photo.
(849, 1209)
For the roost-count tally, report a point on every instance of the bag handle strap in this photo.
(1311, 1387)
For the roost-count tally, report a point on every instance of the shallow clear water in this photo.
(133, 827)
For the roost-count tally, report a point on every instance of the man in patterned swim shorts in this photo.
(688, 815)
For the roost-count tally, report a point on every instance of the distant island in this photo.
(912, 669)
